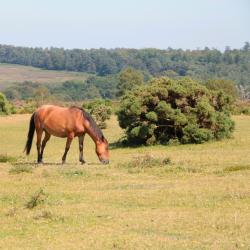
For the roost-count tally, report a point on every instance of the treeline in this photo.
(97, 87)
(203, 64)
(68, 91)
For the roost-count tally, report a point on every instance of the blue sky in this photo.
(186, 24)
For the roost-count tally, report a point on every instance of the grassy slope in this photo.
(201, 201)
(10, 73)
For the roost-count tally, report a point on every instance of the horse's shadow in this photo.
(35, 164)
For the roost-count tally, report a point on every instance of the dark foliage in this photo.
(180, 110)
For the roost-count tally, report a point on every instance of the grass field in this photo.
(11, 73)
(201, 200)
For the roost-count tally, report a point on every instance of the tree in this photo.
(169, 73)
(12, 94)
(246, 46)
(129, 78)
(244, 92)
(199, 64)
(180, 109)
(227, 86)
(4, 105)
(107, 85)
(41, 94)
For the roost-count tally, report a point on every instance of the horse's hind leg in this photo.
(39, 133)
(69, 140)
(45, 140)
(81, 139)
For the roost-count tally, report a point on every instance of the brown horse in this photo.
(65, 122)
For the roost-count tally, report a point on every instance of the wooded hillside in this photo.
(204, 64)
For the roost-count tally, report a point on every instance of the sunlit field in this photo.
(199, 200)
(11, 73)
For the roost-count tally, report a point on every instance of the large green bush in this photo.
(180, 110)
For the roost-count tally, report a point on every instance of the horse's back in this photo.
(50, 108)
(58, 120)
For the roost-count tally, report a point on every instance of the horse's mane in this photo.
(92, 122)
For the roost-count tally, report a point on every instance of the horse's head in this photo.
(102, 150)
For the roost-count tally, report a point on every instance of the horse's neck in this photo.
(93, 136)
(92, 129)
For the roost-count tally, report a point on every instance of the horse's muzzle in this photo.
(105, 162)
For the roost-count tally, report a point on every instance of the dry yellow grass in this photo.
(200, 201)
(10, 73)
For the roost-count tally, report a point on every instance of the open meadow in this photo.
(199, 199)
(14, 73)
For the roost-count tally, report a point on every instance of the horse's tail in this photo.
(30, 135)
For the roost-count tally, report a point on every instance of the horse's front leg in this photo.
(70, 137)
(45, 140)
(81, 140)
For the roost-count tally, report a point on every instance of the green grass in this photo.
(7, 158)
(236, 168)
(17, 169)
(146, 161)
(198, 200)
(13, 73)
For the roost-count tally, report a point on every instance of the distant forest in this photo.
(106, 64)
(233, 64)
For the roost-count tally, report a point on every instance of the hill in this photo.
(202, 64)
(13, 73)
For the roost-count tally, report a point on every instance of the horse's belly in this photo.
(63, 132)
(58, 133)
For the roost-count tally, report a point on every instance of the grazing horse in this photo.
(65, 122)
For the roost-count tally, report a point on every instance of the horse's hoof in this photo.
(40, 162)
(83, 162)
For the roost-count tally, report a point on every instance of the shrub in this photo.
(5, 107)
(27, 107)
(101, 111)
(146, 161)
(36, 199)
(181, 110)
(6, 158)
(241, 107)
